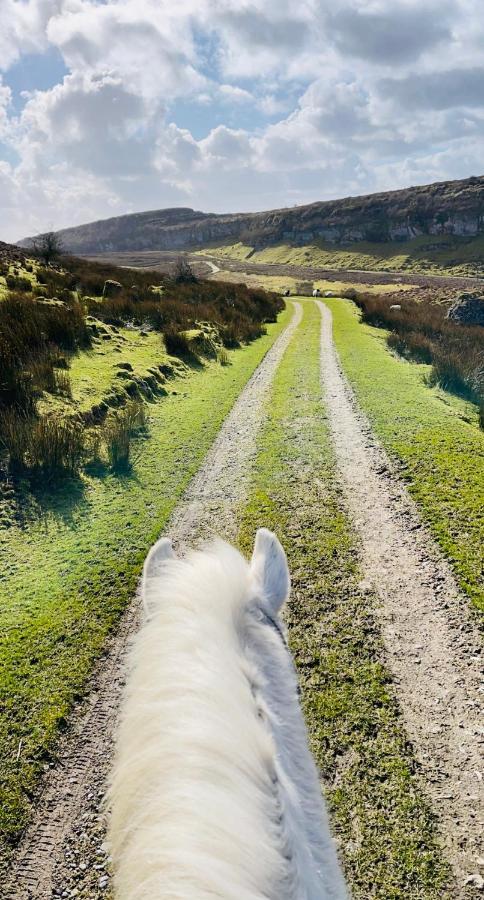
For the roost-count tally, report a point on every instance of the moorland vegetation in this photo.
(423, 332)
(50, 314)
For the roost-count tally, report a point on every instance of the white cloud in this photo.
(367, 94)
(5, 100)
(23, 27)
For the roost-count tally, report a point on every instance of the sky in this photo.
(115, 106)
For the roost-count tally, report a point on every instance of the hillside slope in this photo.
(444, 208)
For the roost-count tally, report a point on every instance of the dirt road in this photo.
(434, 648)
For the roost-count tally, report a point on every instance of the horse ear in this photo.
(269, 569)
(159, 553)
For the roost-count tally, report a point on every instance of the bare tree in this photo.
(48, 247)
(183, 271)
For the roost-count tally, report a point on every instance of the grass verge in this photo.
(433, 435)
(427, 254)
(387, 832)
(70, 563)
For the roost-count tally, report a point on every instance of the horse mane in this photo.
(202, 803)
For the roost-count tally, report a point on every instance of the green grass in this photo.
(70, 561)
(429, 254)
(279, 283)
(433, 435)
(93, 372)
(386, 829)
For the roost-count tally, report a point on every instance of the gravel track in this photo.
(63, 853)
(433, 647)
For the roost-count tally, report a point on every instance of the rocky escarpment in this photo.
(449, 207)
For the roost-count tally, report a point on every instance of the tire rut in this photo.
(433, 646)
(63, 852)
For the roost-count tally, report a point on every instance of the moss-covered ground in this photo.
(70, 559)
(433, 435)
(387, 833)
(428, 254)
(96, 373)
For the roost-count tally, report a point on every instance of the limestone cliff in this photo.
(448, 207)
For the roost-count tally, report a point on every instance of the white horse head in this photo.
(214, 793)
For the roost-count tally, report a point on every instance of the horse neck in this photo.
(296, 780)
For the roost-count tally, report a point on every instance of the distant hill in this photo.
(446, 208)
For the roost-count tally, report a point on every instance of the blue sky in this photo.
(123, 105)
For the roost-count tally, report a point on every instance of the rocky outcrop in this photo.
(10, 253)
(468, 309)
(448, 207)
(112, 288)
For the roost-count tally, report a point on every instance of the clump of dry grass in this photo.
(50, 445)
(119, 431)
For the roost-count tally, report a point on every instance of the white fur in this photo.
(214, 793)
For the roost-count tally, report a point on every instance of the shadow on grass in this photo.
(34, 499)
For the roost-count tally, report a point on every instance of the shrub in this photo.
(348, 293)
(177, 344)
(422, 332)
(184, 273)
(415, 346)
(229, 337)
(223, 357)
(47, 247)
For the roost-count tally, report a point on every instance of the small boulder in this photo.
(468, 309)
(112, 288)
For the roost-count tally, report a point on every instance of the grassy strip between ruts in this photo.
(387, 832)
(434, 436)
(69, 570)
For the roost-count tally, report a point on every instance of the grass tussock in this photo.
(422, 332)
(120, 430)
(223, 357)
(48, 446)
(31, 335)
